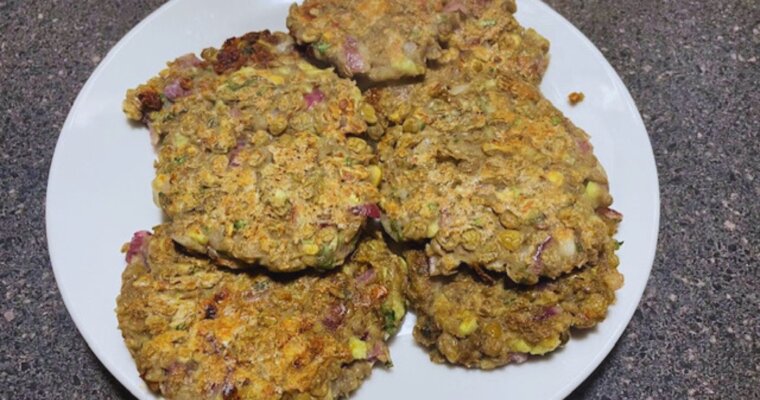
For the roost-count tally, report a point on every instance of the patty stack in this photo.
(271, 278)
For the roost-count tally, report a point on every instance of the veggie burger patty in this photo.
(198, 331)
(492, 175)
(380, 40)
(486, 321)
(254, 162)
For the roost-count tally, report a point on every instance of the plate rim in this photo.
(583, 374)
(67, 125)
(577, 379)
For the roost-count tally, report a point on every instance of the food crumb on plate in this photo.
(576, 97)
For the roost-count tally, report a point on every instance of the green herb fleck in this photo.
(321, 47)
(392, 228)
(487, 22)
(579, 247)
(240, 224)
(618, 244)
(389, 318)
(260, 286)
(180, 159)
(556, 120)
(326, 257)
(234, 86)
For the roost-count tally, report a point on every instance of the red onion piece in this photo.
(314, 97)
(538, 264)
(354, 60)
(137, 245)
(188, 61)
(379, 352)
(518, 358)
(334, 316)
(584, 145)
(235, 113)
(455, 5)
(154, 136)
(234, 153)
(370, 210)
(549, 312)
(174, 91)
(366, 276)
(610, 214)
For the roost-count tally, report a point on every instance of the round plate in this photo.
(99, 194)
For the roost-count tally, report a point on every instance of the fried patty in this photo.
(255, 82)
(493, 39)
(254, 165)
(287, 203)
(507, 183)
(197, 331)
(378, 39)
(485, 321)
(489, 44)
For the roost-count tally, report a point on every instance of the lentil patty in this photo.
(494, 176)
(466, 320)
(198, 331)
(254, 166)
(497, 44)
(378, 39)
(489, 44)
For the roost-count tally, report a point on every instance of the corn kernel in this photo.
(468, 325)
(520, 345)
(516, 39)
(271, 77)
(358, 348)
(491, 148)
(310, 249)
(555, 177)
(197, 235)
(375, 174)
(368, 113)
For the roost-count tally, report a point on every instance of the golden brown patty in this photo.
(479, 163)
(497, 44)
(197, 331)
(378, 39)
(288, 203)
(498, 179)
(255, 82)
(489, 44)
(485, 321)
(253, 161)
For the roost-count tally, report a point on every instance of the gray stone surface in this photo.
(692, 67)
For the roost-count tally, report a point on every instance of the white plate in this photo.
(99, 194)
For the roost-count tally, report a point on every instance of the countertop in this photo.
(692, 67)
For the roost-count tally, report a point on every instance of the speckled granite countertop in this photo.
(692, 66)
